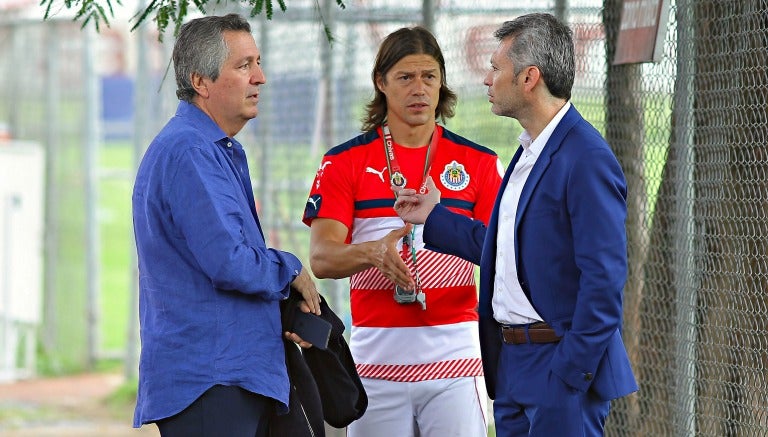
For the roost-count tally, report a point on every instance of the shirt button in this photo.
(229, 143)
(588, 376)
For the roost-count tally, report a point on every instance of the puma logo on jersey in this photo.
(313, 200)
(313, 206)
(380, 174)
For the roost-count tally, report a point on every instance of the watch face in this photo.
(404, 296)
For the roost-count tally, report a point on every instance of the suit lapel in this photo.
(542, 162)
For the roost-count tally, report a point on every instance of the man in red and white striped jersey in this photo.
(414, 321)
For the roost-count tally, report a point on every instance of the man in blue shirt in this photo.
(212, 359)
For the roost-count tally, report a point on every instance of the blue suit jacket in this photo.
(571, 255)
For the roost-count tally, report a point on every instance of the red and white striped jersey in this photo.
(404, 342)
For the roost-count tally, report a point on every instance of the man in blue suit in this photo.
(553, 260)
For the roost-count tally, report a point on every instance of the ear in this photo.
(380, 82)
(531, 77)
(200, 84)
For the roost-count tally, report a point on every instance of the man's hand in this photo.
(413, 207)
(386, 258)
(304, 285)
(298, 340)
(311, 303)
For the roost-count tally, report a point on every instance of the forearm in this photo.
(255, 270)
(335, 260)
(454, 234)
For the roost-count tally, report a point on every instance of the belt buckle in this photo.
(511, 330)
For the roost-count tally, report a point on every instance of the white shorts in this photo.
(434, 408)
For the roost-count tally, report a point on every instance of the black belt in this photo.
(537, 333)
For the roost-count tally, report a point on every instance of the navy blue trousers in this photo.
(221, 411)
(533, 401)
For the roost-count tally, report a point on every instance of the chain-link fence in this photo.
(690, 131)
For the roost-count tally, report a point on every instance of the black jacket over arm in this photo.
(325, 385)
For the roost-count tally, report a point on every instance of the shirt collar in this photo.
(202, 122)
(537, 145)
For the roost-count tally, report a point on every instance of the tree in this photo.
(730, 116)
(623, 119)
(698, 345)
(165, 11)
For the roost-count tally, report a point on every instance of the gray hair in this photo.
(545, 42)
(201, 48)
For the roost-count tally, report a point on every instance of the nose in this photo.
(419, 87)
(488, 80)
(258, 77)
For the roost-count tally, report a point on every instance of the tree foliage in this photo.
(165, 12)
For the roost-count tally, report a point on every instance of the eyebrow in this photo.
(431, 70)
(237, 63)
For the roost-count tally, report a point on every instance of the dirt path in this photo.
(66, 407)
(73, 406)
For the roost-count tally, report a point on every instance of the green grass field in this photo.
(117, 246)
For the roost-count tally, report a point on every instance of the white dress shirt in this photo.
(510, 304)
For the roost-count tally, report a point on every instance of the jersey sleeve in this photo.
(332, 194)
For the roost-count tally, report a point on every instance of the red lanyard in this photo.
(396, 177)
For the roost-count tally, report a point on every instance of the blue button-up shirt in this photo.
(209, 288)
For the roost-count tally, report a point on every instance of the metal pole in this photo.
(561, 10)
(141, 136)
(8, 339)
(265, 133)
(327, 85)
(12, 76)
(92, 139)
(428, 15)
(52, 144)
(686, 279)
